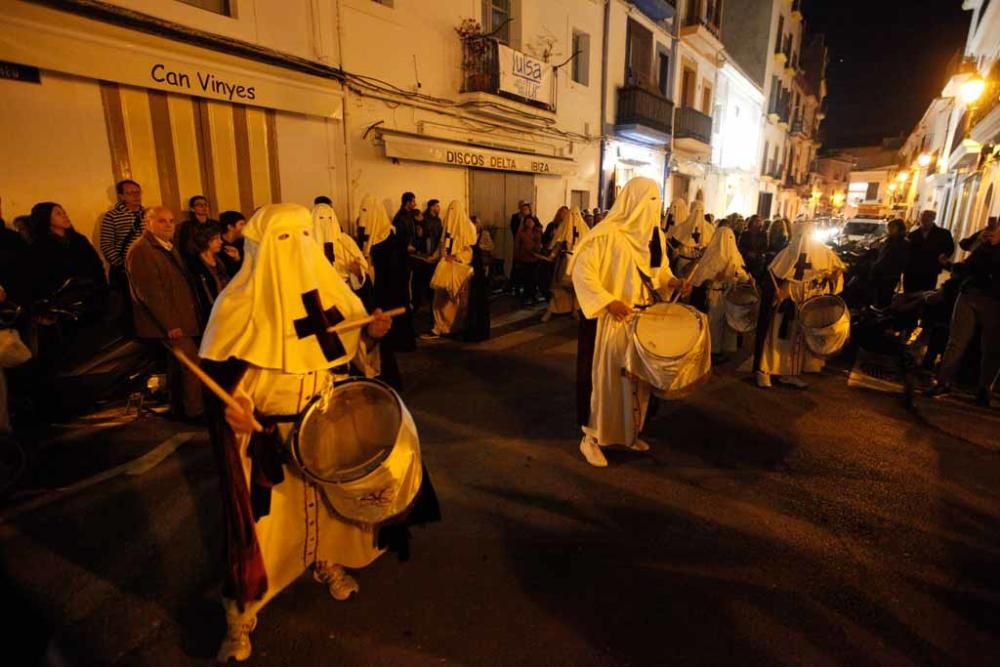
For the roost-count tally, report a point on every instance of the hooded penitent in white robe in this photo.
(451, 276)
(568, 235)
(373, 227)
(677, 213)
(691, 237)
(720, 268)
(606, 267)
(268, 317)
(807, 267)
(337, 246)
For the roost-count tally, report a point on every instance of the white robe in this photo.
(605, 270)
(790, 356)
(300, 530)
(459, 237)
(450, 311)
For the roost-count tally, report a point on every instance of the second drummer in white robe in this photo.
(719, 269)
(612, 272)
(804, 269)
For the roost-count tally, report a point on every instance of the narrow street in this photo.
(830, 526)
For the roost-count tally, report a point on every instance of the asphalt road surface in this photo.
(829, 526)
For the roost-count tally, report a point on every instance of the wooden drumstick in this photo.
(213, 386)
(350, 325)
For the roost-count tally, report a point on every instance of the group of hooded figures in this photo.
(624, 265)
(269, 343)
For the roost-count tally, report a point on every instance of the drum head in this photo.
(668, 330)
(743, 294)
(824, 311)
(348, 431)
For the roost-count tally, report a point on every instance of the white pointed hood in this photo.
(635, 215)
(458, 231)
(804, 258)
(694, 232)
(286, 292)
(374, 222)
(721, 256)
(571, 230)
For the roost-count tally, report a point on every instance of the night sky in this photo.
(888, 60)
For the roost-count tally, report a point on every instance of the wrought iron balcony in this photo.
(644, 115)
(689, 123)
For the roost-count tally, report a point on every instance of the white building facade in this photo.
(734, 178)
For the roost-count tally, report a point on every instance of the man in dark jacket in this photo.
(930, 249)
(978, 307)
(165, 305)
(890, 264)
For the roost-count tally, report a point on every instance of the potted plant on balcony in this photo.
(475, 64)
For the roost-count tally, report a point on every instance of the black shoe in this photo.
(939, 390)
(983, 398)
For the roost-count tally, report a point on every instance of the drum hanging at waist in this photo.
(357, 442)
(669, 346)
(826, 324)
(742, 303)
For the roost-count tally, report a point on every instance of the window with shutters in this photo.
(688, 84)
(581, 57)
(706, 98)
(872, 192)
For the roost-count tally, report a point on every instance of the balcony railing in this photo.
(691, 123)
(638, 106)
(481, 69)
(799, 127)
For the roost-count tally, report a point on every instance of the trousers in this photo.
(973, 308)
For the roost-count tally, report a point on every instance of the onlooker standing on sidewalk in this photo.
(209, 272)
(199, 214)
(527, 246)
(423, 268)
(231, 223)
(931, 247)
(165, 305)
(978, 307)
(119, 228)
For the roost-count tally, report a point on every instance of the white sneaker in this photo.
(239, 625)
(639, 446)
(763, 379)
(793, 381)
(592, 452)
(340, 584)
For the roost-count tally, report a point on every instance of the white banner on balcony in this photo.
(524, 76)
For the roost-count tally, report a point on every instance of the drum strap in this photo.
(787, 309)
(267, 458)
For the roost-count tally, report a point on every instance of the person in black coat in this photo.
(58, 252)
(931, 247)
(13, 266)
(477, 323)
(889, 264)
(231, 224)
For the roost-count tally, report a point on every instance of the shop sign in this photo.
(15, 72)
(467, 155)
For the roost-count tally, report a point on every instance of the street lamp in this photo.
(903, 176)
(972, 89)
(924, 160)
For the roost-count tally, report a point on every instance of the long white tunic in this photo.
(299, 530)
(790, 355)
(449, 310)
(606, 270)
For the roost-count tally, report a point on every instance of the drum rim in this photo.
(361, 470)
(687, 308)
(827, 297)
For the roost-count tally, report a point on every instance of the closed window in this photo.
(581, 57)
(663, 81)
(872, 192)
(688, 84)
(496, 19)
(706, 98)
(214, 6)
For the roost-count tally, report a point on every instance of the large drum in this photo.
(669, 346)
(451, 277)
(826, 324)
(742, 303)
(358, 443)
